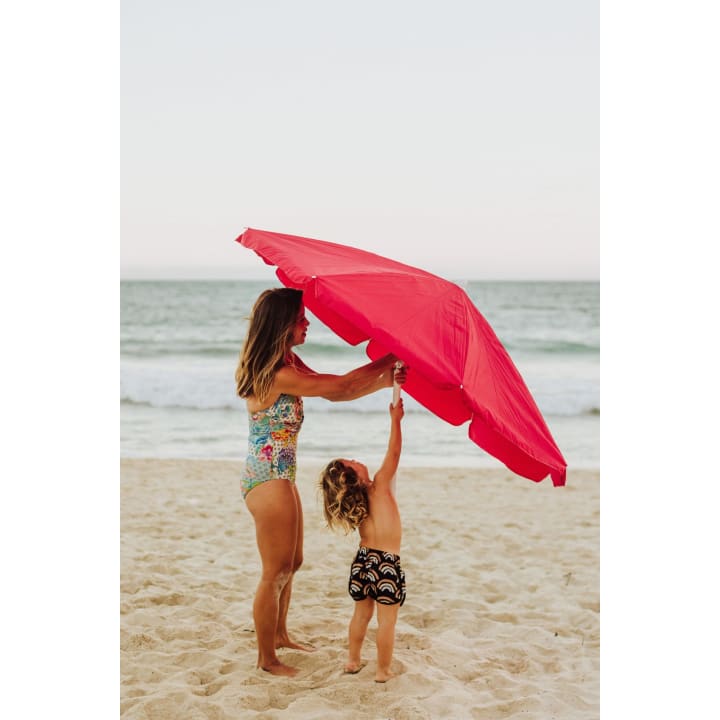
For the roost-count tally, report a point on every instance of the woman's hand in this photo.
(400, 373)
(392, 374)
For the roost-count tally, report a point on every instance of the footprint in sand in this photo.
(208, 690)
(229, 667)
(204, 683)
(412, 641)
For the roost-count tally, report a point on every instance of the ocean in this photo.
(180, 341)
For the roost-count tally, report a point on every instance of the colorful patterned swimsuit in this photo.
(272, 442)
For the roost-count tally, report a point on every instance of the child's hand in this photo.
(397, 411)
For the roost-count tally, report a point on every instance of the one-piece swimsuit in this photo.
(272, 442)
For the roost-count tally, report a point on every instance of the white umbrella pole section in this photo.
(396, 386)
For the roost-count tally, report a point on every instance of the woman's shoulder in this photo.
(295, 362)
(291, 378)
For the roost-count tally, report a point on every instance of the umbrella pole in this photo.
(396, 386)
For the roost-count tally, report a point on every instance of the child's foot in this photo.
(382, 676)
(278, 668)
(352, 667)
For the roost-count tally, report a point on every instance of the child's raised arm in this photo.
(386, 474)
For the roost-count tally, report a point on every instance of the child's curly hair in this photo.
(345, 501)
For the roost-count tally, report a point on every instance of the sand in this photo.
(501, 620)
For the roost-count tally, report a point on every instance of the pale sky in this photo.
(461, 137)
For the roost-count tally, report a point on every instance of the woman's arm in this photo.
(354, 384)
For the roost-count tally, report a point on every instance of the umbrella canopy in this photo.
(459, 369)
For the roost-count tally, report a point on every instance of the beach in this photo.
(501, 618)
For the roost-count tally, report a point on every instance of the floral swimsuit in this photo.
(272, 442)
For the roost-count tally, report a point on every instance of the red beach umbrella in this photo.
(459, 369)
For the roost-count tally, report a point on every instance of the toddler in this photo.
(352, 501)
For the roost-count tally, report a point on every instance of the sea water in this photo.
(180, 342)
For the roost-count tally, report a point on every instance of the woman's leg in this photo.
(282, 639)
(274, 508)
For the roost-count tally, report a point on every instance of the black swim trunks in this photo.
(378, 575)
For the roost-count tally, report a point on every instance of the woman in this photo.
(273, 380)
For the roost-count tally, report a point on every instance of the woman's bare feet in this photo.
(382, 676)
(352, 667)
(278, 668)
(288, 643)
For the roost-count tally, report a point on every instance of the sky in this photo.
(461, 137)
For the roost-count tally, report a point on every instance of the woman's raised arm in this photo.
(350, 386)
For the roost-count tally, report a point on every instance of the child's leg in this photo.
(387, 617)
(356, 633)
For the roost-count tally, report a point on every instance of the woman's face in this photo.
(300, 329)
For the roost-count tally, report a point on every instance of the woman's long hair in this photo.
(272, 322)
(345, 500)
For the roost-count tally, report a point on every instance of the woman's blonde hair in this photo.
(345, 500)
(272, 322)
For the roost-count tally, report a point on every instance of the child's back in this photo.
(382, 528)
